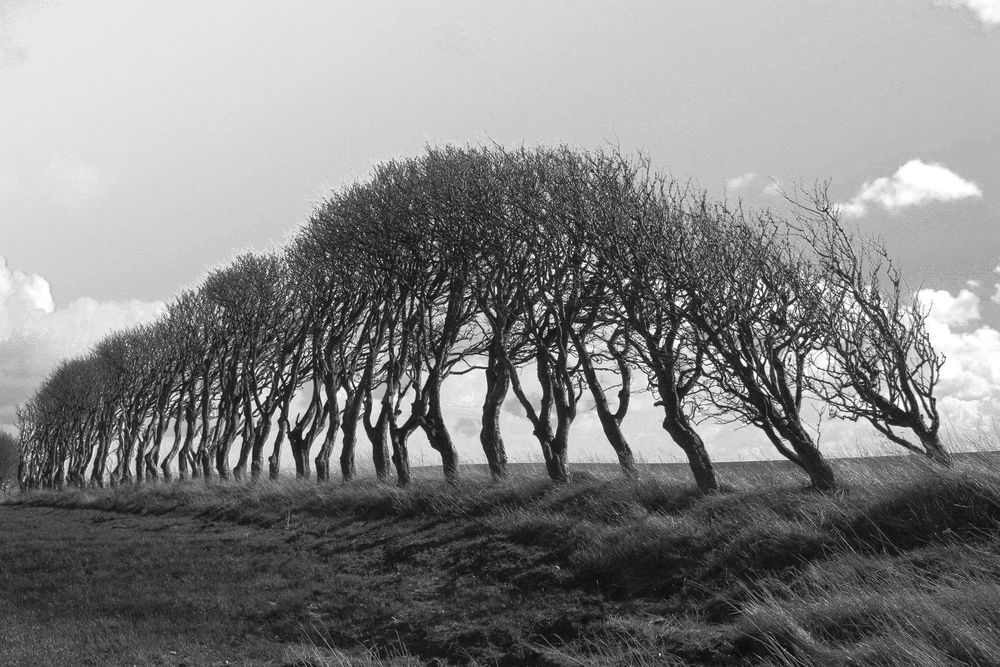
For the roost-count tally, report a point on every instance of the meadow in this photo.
(899, 566)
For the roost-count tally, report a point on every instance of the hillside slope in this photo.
(599, 571)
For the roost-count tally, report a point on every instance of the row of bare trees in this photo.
(552, 273)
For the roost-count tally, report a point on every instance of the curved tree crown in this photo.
(553, 271)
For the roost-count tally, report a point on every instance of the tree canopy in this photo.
(554, 272)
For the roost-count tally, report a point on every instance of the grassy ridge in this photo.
(900, 567)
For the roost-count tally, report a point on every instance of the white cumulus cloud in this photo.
(953, 311)
(915, 183)
(969, 390)
(987, 11)
(35, 332)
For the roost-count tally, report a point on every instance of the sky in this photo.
(142, 143)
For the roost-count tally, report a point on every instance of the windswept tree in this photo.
(600, 341)
(126, 358)
(880, 365)
(361, 323)
(454, 189)
(239, 325)
(758, 303)
(555, 271)
(187, 346)
(552, 298)
(273, 331)
(645, 226)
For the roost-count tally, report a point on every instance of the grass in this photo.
(899, 567)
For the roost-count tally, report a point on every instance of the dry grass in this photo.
(899, 567)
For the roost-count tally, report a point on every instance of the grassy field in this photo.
(900, 567)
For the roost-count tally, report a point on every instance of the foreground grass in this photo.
(900, 567)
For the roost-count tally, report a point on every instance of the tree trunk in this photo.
(497, 386)
(333, 425)
(274, 460)
(300, 453)
(349, 427)
(222, 455)
(812, 461)
(100, 465)
(176, 447)
(934, 448)
(678, 426)
(400, 456)
(559, 463)
(610, 422)
(247, 440)
(692, 445)
(184, 455)
(259, 440)
(140, 458)
(381, 456)
(438, 435)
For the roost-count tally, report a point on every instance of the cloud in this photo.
(996, 294)
(969, 390)
(953, 311)
(21, 295)
(914, 184)
(35, 332)
(741, 181)
(76, 184)
(987, 11)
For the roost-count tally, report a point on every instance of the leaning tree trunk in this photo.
(678, 426)
(140, 456)
(691, 444)
(497, 386)
(176, 447)
(225, 445)
(933, 447)
(274, 460)
(401, 455)
(437, 432)
(349, 428)
(333, 425)
(812, 461)
(379, 437)
(611, 423)
(260, 435)
(559, 463)
(296, 443)
(100, 465)
(247, 438)
(184, 455)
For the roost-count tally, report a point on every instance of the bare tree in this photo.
(645, 225)
(880, 365)
(552, 301)
(758, 304)
(10, 456)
